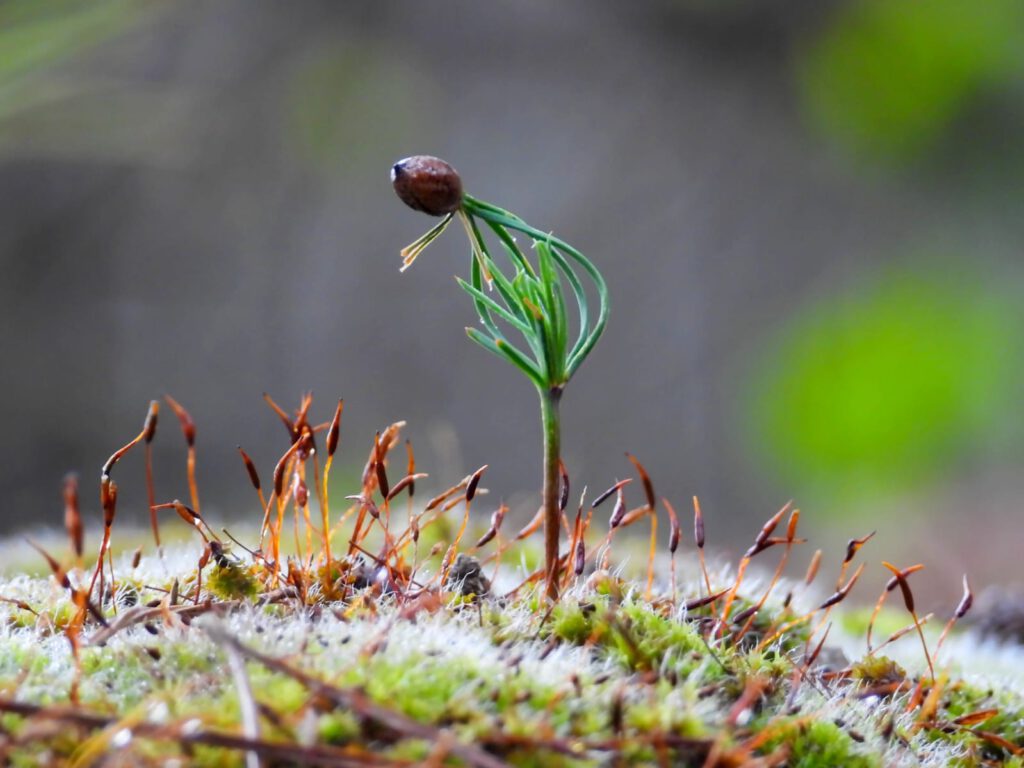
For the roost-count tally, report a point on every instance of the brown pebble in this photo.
(467, 577)
(427, 184)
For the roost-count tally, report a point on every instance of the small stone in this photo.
(467, 577)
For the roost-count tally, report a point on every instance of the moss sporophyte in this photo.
(530, 300)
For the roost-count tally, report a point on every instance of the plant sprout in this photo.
(530, 300)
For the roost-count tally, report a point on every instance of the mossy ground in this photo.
(605, 678)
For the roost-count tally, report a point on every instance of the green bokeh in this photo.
(36, 35)
(892, 385)
(887, 77)
(348, 101)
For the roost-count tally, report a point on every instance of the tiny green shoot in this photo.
(528, 298)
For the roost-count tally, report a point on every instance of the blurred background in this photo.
(809, 215)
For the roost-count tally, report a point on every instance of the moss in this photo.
(573, 622)
(213, 757)
(107, 675)
(410, 750)
(594, 668)
(337, 728)
(282, 693)
(232, 581)
(664, 711)
(764, 664)
(14, 659)
(61, 613)
(819, 744)
(878, 670)
(634, 635)
(646, 640)
(607, 585)
(423, 690)
(961, 699)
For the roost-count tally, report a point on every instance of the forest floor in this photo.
(238, 674)
(387, 631)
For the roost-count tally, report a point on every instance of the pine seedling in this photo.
(530, 300)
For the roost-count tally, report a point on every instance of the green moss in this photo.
(878, 669)
(13, 659)
(820, 744)
(337, 728)
(664, 711)
(61, 612)
(646, 640)
(282, 693)
(627, 668)
(765, 664)
(409, 750)
(423, 691)
(233, 581)
(573, 623)
(961, 699)
(214, 757)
